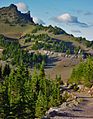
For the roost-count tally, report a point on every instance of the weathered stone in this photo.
(11, 15)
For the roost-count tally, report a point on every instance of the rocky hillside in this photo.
(12, 16)
(48, 37)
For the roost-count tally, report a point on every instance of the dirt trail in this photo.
(83, 111)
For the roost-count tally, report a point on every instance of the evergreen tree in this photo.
(22, 82)
(41, 105)
(0, 72)
(24, 97)
(42, 72)
(83, 73)
(35, 84)
(6, 70)
(6, 106)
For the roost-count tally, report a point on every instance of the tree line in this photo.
(83, 73)
(44, 41)
(55, 30)
(25, 96)
(16, 55)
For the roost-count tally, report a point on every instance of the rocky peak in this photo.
(13, 6)
(12, 16)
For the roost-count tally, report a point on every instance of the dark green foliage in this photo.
(43, 41)
(84, 41)
(55, 30)
(41, 105)
(5, 103)
(83, 73)
(26, 97)
(38, 28)
(0, 72)
(68, 52)
(16, 55)
(6, 70)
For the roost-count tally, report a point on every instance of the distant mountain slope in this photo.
(60, 35)
(15, 24)
(12, 16)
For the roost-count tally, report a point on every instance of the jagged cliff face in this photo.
(12, 16)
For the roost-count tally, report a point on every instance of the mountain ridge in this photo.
(15, 24)
(12, 16)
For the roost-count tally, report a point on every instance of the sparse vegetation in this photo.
(43, 41)
(83, 73)
(13, 52)
(55, 30)
(84, 41)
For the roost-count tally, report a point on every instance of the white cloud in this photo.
(22, 7)
(38, 21)
(67, 18)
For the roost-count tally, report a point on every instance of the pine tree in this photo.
(55, 91)
(0, 72)
(42, 72)
(41, 105)
(22, 81)
(35, 84)
(5, 100)
(33, 93)
(6, 70)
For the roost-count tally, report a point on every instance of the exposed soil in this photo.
(83, 111)
(61, 66)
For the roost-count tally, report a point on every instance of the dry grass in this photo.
(63, 67)
(15, 31)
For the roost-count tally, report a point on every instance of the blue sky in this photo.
(74, 16)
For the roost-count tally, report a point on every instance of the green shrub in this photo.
(83, 73)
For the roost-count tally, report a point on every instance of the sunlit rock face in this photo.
(12, 16)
